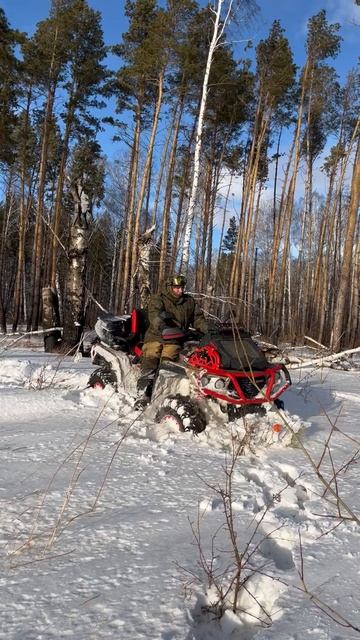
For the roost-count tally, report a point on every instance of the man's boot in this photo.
(141, 402)
(144, 388)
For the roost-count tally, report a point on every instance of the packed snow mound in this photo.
(42, 374)
(257, 431)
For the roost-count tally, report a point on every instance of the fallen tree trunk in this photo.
(324, 359)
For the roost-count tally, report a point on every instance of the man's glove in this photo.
(172, 334)
(166, 316)
(166, 319)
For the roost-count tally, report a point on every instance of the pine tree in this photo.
(83, 83)
(9, 87)
(229, 242)
(45, 57)
(137, 86)
(275, 74)
(322, 42)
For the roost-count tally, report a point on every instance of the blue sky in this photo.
(293, 15)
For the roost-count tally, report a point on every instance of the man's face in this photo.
(178, 290)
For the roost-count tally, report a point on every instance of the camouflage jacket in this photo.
(185, 312)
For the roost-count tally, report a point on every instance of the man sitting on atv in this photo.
(170, 312)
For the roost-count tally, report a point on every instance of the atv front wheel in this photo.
(183, 413)
(101, 377)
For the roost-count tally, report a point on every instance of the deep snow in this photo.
(128, 567)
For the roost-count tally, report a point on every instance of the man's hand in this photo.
(166, 316)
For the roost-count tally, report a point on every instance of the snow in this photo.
(99, 507)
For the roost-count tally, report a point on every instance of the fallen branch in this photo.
(318, 344)
(323, 359)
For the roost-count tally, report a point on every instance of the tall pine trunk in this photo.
(125, 256)
(143, 184)
(164, 258)
(343, 290)
(25, 202)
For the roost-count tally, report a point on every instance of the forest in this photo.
(219, 149)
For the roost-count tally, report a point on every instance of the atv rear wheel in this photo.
(183, 413)
(101, 377)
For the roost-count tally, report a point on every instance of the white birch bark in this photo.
(217, 34)
(145, 243)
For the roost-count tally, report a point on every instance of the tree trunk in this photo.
(8, 212)
(76, 275)
(219, 282)
(277, 308)
(218, 30)
(37, 256)
(353, 324)
(343, 290)
(182, 197)
(168, 199)
(25, 203)
(55, 230)
(163, 162)
(145, 244)
(123, 275)
(51, 319)
(136, 228)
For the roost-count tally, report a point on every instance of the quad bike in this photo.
(222, 374)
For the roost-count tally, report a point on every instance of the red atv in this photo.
(223, 373)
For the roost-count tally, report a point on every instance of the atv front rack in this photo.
(249, 387)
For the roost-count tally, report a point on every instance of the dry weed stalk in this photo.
(39, 509)
(231, 581)
(79, 449)
(303, 588)
(339, 502)
(228, 583)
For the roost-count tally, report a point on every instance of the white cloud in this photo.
(343, 11)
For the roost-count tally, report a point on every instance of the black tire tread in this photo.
(103, 375)
(179, 405)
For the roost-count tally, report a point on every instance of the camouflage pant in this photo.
(153, 353)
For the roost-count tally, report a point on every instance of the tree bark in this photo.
(37, 257)
(124, 265)
(164, 258)
(76, 275)
(137, 220)
(216, 36)
(343, 291)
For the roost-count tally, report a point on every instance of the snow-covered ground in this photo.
(97, 505)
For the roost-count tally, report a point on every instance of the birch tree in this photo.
(221, 11)
(86, 186)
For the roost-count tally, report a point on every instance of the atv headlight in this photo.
(212, 382)
(279, 382)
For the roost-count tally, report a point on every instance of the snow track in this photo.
(119, 570)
